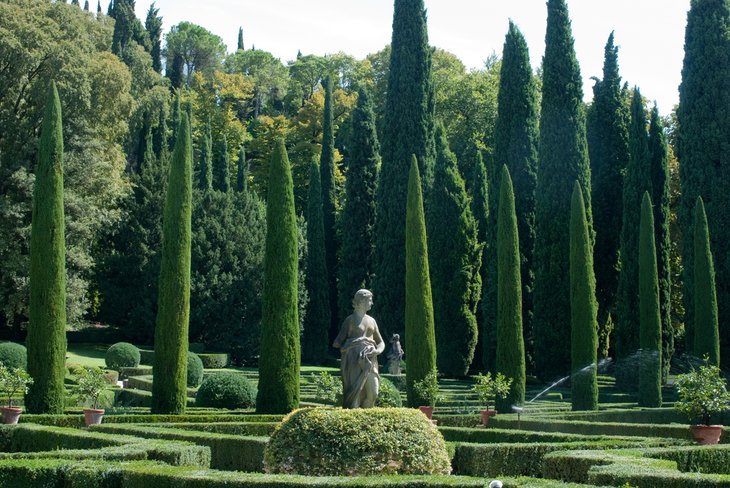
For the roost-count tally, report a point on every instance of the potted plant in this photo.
(703, 392)
(13, 381)
(427, 389)
(91, 383)
(487, 388)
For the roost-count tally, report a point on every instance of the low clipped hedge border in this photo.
(214, 360)
(146, 418)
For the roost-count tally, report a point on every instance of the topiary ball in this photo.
(195, 370)
(13, 355)
(357, 442)
(226, 390)
(388, 396)
(122, 355)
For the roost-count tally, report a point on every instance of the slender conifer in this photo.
(707, 336)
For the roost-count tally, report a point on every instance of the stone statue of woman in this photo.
(360, 344)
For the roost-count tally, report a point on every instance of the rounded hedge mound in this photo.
(388, 396)
(122, 355)
(195, 370)
(357, 442)
(13, 355)
(226, 390)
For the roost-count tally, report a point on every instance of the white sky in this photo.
(649, 33)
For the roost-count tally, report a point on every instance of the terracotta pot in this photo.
(706, 435)
(10, 415)
(93, 416)
(427, 411)
(486, 414)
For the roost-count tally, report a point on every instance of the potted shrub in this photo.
(487, 388)
(91, 383)
(428, 390)
(702, 392)
(13, 381)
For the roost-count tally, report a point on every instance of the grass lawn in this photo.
(91, 355)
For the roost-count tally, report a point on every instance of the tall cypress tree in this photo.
(279, 362)
(407, 129)
(704, 130)
(169, 393)
(75, 2)
(242, 172)
(315, 339)
(563, 160)
(46, 339)
(609, 150)
(358, 214)
(636, 182)
(707, 335)
(515, 145)
(86, 5)
(659, 173)
(98, 8)
(480, 210)
(240, 39)
(510, 341)
(205, 174)
(153, 26)
(583, 309)
(454, 257)
(650, 369)
(329, 205)
(420, 332)
(221, 162)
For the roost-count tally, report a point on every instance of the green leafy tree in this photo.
(420, 331)
(704, 162)
(407, 131)
(173, 309)
(660, 179)
(510, 341)
(650, 369)
(242, 172)
(480, 210)
(127, 28)
(205, 171)
(636, 182)
(609, 150)
(221, 166)
(358, 213)
(196, 47)
(563, 160)
(315, 339)
(270, 79)
(583, 309)
(454, 257)
(515, 145)
(46, 339)
(153, 26)
(706, 333)
(279, 362)
(240, 39)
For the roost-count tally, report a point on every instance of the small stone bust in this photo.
(395, 355)
(360, 343)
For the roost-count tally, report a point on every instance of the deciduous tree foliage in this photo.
(195, 47)
(173, 306)
(707, 337)
(46, 339)
(563, 160)
(583, 309)
(278, 390)
(510, 341)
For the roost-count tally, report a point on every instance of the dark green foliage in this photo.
(153, 26)
(46, 340)
(13, 355)
(86, 5)
(510, 342)
(650, 337)
(636, 182)
(195, 370)
(122, 355)
(279, 360)
(240, 39)
(221, 162)
(407, 130)
(563, 160)
(242, 172)
(485, 313)
(214, 360)
(515, 145)
(609, 150)
(329, 206)
(315, 339)
(226, 390)
(358, 214)
(127, 28)
(420, 333)
(173, 308)
(583, 309)
(702, 137)
(176, 72)
(706, 333)
(75, 2)
(325, 441)
(454, 262)
(205, 171)
(659, 173)
(388, 395)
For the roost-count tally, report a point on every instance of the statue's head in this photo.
(395, 338)
(363, 299)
